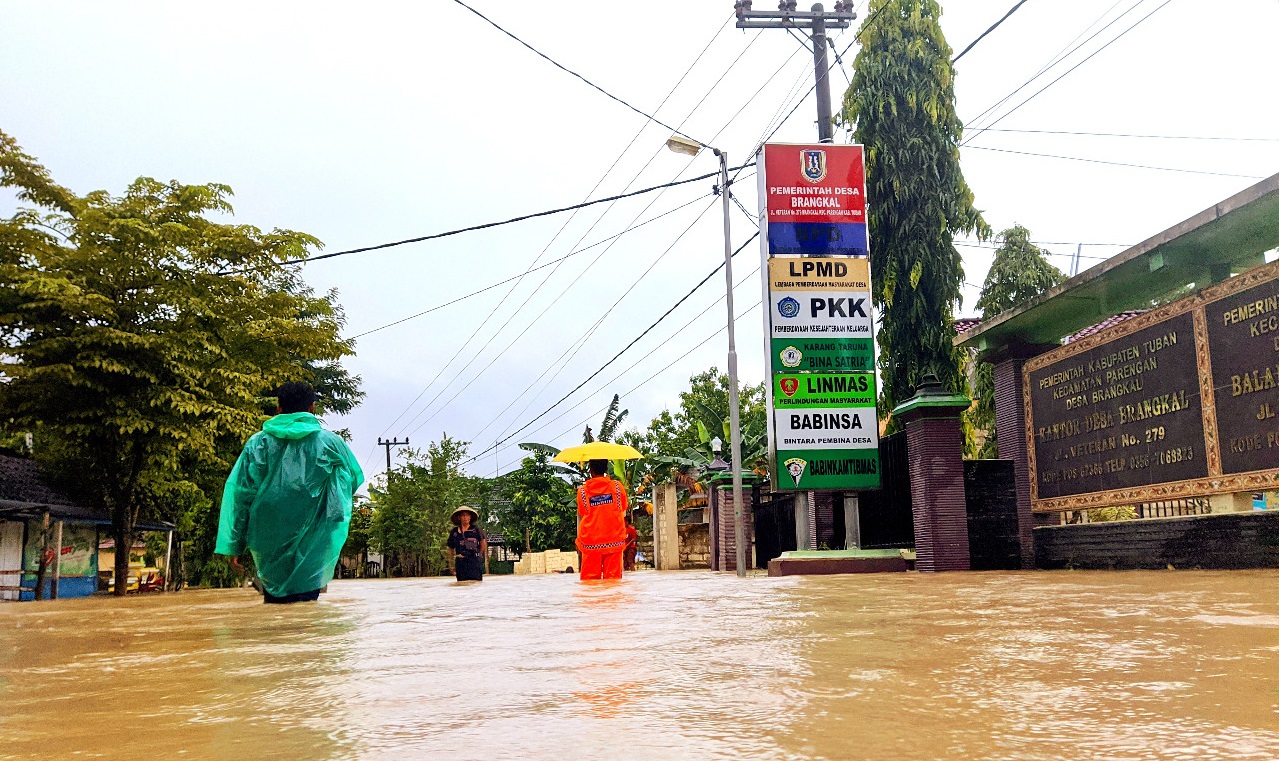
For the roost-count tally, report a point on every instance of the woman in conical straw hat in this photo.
(468, 548)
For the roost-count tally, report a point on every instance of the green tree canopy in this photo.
(1019, 272)
(411, 510)
(140, 336)
(902, 101)
(540, 510)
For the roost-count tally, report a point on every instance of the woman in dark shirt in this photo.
(468, 549)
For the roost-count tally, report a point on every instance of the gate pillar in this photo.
(665, 528)
(935, 445)
(1010, 435)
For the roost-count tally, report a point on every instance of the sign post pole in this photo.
(734, 415)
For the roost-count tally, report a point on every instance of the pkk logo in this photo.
(813, 164)
(796, 467)
(791, 357)
(789, 386)
(788, 307)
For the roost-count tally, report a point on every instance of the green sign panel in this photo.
(827, 469)
(823, 355)
(819, 390)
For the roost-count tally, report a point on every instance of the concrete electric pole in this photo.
(817, 21)
(388, 443)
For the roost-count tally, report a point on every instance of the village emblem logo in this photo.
(788, 307)
(789, 386)
(813, 164)
(791, 357)
(796, 467)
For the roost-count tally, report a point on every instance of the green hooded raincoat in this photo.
(288, 500)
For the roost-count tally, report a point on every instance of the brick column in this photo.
(934, 442)
(726, 544)
(1010, 431)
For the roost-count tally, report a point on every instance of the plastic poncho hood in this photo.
(288, 501)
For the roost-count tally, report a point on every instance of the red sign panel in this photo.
(815, 183)
(815, 198)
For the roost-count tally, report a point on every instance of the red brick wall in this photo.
(726, 535)
(935, 448)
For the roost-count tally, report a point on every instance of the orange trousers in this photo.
(601, 565)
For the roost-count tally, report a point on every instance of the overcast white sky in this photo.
(364, 123)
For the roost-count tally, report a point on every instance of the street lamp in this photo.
(689, 147)
(716, 465)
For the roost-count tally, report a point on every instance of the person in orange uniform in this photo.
(601, 528)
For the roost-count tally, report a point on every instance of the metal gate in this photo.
(774, 527)
(886, 518)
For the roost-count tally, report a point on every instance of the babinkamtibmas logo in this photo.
(795, 467)
(813, 164)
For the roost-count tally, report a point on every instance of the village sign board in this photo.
(823, 428)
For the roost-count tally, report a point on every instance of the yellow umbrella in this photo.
(598, 450)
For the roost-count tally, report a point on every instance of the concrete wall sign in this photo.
(1178, 402)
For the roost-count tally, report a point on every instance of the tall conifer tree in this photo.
(902, 101)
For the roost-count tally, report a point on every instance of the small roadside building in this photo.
(45, 535)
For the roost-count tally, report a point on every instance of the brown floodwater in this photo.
(1073, 665)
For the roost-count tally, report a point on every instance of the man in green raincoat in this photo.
(288, 500)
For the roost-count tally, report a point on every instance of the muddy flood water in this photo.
(1068, 665)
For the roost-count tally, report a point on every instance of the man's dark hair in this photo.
(295, 396)
(599, 467)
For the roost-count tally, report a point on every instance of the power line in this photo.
(995, 247)
(678, 331)
(1061, 55)
(1116, 163)
(605, 366)
(1124, 134)
(463, 387)
(553, 262)
(992, 28)
(512, 220)
(577, 279)
(633, 225)
(565, 358)
(567, 70)
(1090, 56)
(642, 383)
(479, 327)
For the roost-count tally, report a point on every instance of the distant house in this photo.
(32, 514)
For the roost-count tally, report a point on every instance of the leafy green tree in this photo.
(138, 337)
(540, 508)
(1019, 272)
(410, 522)
(359, 537)
(902, 101)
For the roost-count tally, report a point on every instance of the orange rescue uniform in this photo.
(601, 531)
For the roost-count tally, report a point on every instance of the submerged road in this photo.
(1078, 665)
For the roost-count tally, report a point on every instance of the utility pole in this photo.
(818, 21)
(391, 443)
